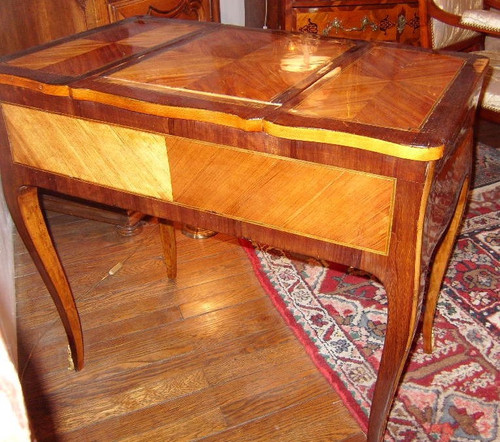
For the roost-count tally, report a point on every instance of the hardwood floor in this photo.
(203, 357)
(206, 356)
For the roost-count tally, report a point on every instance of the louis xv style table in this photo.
(355, 152)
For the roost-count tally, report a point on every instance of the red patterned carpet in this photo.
(340, 316)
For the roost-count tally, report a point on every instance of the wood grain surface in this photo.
(280, 193)
(111, 156)
(257, 80)
(395, 21)
(205, 355)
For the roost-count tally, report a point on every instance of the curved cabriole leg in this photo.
(27, 214)
(439, 267)
(402, 295)
(167, 235)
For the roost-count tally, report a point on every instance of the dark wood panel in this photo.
(386, 20)
(24, 23)
(201, 10)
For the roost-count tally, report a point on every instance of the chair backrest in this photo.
(440, 35)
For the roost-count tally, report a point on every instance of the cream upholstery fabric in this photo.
(444, 35)
(481, 19)
(492, 43)
(491, 97)
(13, 416)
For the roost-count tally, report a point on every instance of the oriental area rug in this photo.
(339, 314)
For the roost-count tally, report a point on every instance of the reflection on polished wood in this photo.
(232, 140)
(196, 232)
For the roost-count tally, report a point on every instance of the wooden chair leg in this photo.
(126, 222)
(167, 235)
(439, 267)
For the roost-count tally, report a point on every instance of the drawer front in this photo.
(111, 156)
(398, 22)
(182, 9)
(331, 204)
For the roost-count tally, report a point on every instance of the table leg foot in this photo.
(197, 232)
(439, 267)
(26, 212)
(132, 224)
(167, 235)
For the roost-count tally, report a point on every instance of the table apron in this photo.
(332, 204)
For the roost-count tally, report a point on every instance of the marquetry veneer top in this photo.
(392, 99)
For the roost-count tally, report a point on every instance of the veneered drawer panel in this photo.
(112, 156)
(328, 203)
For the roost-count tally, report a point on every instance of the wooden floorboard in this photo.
(204, 357)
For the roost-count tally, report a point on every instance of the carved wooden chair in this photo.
(467, 25)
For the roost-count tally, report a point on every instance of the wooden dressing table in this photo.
(355, 152)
